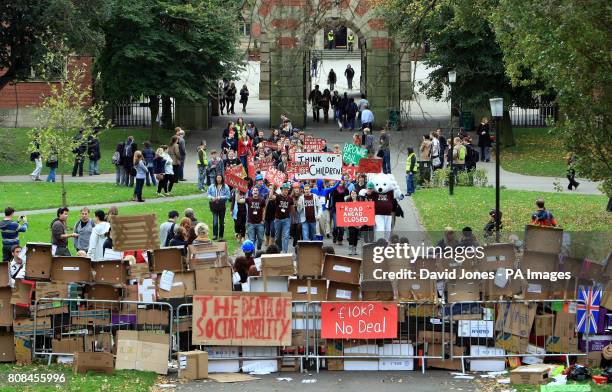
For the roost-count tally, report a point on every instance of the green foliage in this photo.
(167, 47)
(537, 152)
(36, 34)
(64, 113)
(476, 177)
(440, 178)
(480, 177)
(567, 45)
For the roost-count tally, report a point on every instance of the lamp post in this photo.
(452, 78)
(497, 111)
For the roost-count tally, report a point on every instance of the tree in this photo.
(63, 114)
(33, 29)
(460, 38)
(167, 48)
(566, 44)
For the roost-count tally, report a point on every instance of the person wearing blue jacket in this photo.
(261, 187)
(218, 195)
(323, 226)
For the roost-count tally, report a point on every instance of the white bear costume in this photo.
(386, 189)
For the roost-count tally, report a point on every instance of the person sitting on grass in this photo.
(490, 226)
(542, 217)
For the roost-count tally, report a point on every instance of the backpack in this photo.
(462, 153)
(116, 159)
(170, 235)
(472, 154)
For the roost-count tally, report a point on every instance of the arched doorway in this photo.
(286, 30)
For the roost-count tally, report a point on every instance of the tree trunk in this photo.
(154, 108)
(167, 112)
(64, 202)
(609, 209)
(507, 133)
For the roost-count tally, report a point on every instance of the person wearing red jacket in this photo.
(542, 217)
(245, 149)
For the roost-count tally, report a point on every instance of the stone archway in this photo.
(286, 29)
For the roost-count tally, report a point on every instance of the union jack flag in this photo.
(587, 309)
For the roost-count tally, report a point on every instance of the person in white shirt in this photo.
(367, 117)
(17, 265)
(166, 228)
(98, 235)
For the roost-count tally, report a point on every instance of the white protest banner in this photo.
(322, 165)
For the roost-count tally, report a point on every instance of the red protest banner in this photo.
(358, 320)
(251, 167)
(357, 213)
(241, 319)
(313, 144)
(237, 170)
(296, 168)
(270, 145)
(370, 165)
(350, 171)
(236, 182)
(275, 176)
(263, 165)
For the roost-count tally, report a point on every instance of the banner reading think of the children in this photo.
(322, 165)
(242, 319)
(358, 320)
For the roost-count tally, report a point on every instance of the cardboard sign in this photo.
(350, 171)
(314, 144)
(296, 168)
(236, 170)
(352, 154)
(134, 232)
(355, 213)
(275, 177)
(262, 165)
(358, 320)
(370, 165)
(234, 181)
(241, 319)
(321, 165)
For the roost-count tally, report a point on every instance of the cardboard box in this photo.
(463, 290)
(167, 259)
(277, 265)
(434, 337)
(70, 269)
(22, 293)
(7, 347)
(543, 239)
(390, 349)
(51, 290)
(498, 256)
(219, 365)
(23, 350)
(342, 292)
(140, 350)
(515, 318)
(368, 266)
(361, 365)
(377, 290)
(475, 329)
(591, 359)
(544, 324)
(512, 343)
(67, 345)
(214, 279)
(5, 280)
(102, 292)
(134, 232)
(97, 317)
(6, 309)
(96, 361)
(193, 365)
(139, 271)
(308, 289)
(530, 374)
(99, 342)
(25, 326)
(491, 364)
(268, 284)
(207, 256)
(38, 265)
(335, 365)
(147, 290)
(152, 316)
(565, 324)
(110, 271)
(416, 290)
(309, 258)
(341, 269)
(562, 344)
(183, 285)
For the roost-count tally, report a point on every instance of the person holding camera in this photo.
(10, 230)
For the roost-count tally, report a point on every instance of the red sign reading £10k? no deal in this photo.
(358, 320)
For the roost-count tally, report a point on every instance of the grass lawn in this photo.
(15, 159)
(39, 195)
(470, 207)
(38, 224)
(121, 380)
(538, 152)
(536, 388)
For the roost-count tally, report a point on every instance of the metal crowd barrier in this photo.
(497, 335)
(420, 326)
(65, 318)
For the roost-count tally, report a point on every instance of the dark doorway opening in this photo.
(340, 34)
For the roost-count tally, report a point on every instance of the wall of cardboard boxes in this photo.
(71, 305)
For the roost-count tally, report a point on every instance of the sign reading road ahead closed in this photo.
(357, 213)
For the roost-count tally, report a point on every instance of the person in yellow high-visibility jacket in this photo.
(330, 39)
(202, 166)
(350, 41)
(411, 169)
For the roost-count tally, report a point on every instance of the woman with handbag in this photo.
(218, 195)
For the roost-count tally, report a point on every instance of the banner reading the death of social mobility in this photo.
(321, 165)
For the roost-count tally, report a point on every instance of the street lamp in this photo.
(452, 78)
(497, 111)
